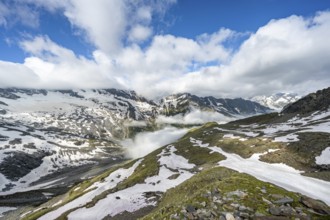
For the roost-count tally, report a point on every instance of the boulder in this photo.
(274, 210)
(190, 209)
(285, 200)
(230, 216)
(316, 205)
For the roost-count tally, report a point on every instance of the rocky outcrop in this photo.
(277, 209)
(18, 164)
(318, 101)
(316, 205)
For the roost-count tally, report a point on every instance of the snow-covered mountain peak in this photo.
(276, 101)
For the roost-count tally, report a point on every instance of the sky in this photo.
(222, 48)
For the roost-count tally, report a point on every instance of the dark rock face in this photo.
(3, 138)
(31, 198)
(9, 93)
(70, 93)
(318, 101)
(125, 94)
(15, 141)
(18, 164)
(2, 103)
(285, 200)
(3, 112)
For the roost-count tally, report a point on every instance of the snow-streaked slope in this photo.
(316, 122)
(97, 113)
(132, 198)
(43, 132)
(96, 189)
(278, 174)
(27, 155)
(276, 101)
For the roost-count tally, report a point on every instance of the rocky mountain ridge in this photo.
(184, 102)
(318, 101)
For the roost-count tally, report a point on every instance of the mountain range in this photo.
(66, 135)
(47, 134)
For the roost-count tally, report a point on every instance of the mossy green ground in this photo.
(301, 154)
(225, 181)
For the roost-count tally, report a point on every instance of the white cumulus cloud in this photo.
(288, 55)
(139, 33)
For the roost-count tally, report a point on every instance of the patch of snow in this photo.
(25, 213)
(4, 209)
(231, 136)
(59, 202)
(324, 158)
(198, 142)
(246, 133)
(237, 110)
(76, 189)
(174, 161)
(322, 127)
(287, 138)
(24, 187)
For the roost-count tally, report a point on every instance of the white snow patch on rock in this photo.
(324, 158)
(287, 138)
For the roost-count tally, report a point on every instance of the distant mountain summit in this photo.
(276, 101)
